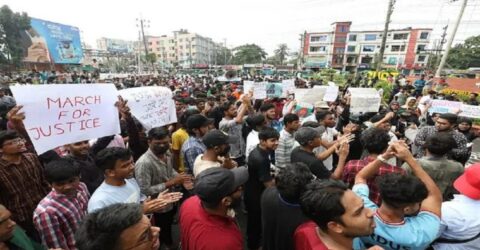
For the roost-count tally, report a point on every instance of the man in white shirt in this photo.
(460, 225)
(256, 122)
(327, 120)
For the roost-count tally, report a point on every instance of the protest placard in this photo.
(60, 114)
(470, 111)
(443, 106)
(303, 109)
(274, 89)
(247, 86)
(364, 100)
(152, 106)
(310, 95)
(288, 87)
(331, 93)
(259, 90)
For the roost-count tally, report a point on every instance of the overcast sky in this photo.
(264, 22)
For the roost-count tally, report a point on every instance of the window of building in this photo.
(339, 50)
(351, 48)
(368, 48)
(421, 47)
(352, 38)
(318, 38)
(421, 58)
(342, 28)
(370, 37)
(158, 42)
(317, 48)
(396, 48)
(400, 36)
(424, 35)
(392, 60)
(367, 59)
(351, 59)
(340, 39)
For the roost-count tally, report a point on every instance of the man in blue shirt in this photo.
(419, 84)
(409, 216)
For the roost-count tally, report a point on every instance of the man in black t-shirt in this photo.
(281, 212)
(259, 166)
(309, 138)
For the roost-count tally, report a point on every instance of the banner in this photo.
(331, 94)
(364, 100)
(46, 41)
(152, 106)
(60, 114)
(443, 106)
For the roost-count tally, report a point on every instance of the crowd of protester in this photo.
(394, 179)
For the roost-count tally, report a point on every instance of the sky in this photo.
(264, 22)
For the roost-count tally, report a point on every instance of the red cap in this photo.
(468, 183)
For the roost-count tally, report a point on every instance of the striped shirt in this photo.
(192, 148)
(22, 186)
(284, 149)
(57, 217)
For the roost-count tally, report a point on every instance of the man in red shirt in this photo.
(337, 214)
(206, 219)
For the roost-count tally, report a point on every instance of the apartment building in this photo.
(183, 48)
(346, 49)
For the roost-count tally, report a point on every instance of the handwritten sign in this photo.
(470, 111)
(247, 86)
(331, 93)
(310, 95)
(364, 100)
(60, 114)
(259, 90)
(152, 106)
(443, 106)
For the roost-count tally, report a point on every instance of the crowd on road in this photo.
(393, 179)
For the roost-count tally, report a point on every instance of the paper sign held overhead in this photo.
(60, 114)
(288, 87)
(152, 106)
(274, 89)
(443, 106)
(331, 94)
(364, 100)
(310, 95)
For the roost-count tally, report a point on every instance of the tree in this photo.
(274, 60)
(248, 53)
(151, 58)
(222, 56)
(465, 55)
(282, 52)
(11, 27)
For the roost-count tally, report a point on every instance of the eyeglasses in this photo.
(14, 142)
(146, 237)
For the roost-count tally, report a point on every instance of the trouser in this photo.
(254, 225)
(164, 221)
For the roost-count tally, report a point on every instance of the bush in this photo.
(387, 89)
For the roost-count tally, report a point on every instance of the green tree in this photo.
(11, 27)
(151, 58)
(274, 60)
(465, 55)
(248, 53)
(282, 52)
(222, 56)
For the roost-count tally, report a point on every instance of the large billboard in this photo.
(48, 41)
(118, 46)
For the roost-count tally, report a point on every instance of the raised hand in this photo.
(122, 107)
(16, 116)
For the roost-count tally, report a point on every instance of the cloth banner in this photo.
(364, 100)
(60, 114)
(152, 106)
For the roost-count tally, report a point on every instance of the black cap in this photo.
(216, 138)
(213, 184)
(198, 121)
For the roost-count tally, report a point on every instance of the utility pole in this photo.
(391, 3)
(450, 39)
(225, 50)
(300, 54)
(142, 23)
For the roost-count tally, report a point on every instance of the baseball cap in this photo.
(198, 121)
(468, 183)
(216, 138)
(321, 104)
(215, 183)
(306, 134)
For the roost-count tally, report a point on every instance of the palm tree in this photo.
(282, 52)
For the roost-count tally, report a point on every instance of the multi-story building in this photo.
(342, 48)
(183, 48)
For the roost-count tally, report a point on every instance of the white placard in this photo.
(310, 95)
(470, 111)
(331, 94)
(364, 100)
(247, 86)
(60, 114)
(288, 87)
(259, 90)
(444, 106)
(152, 106)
